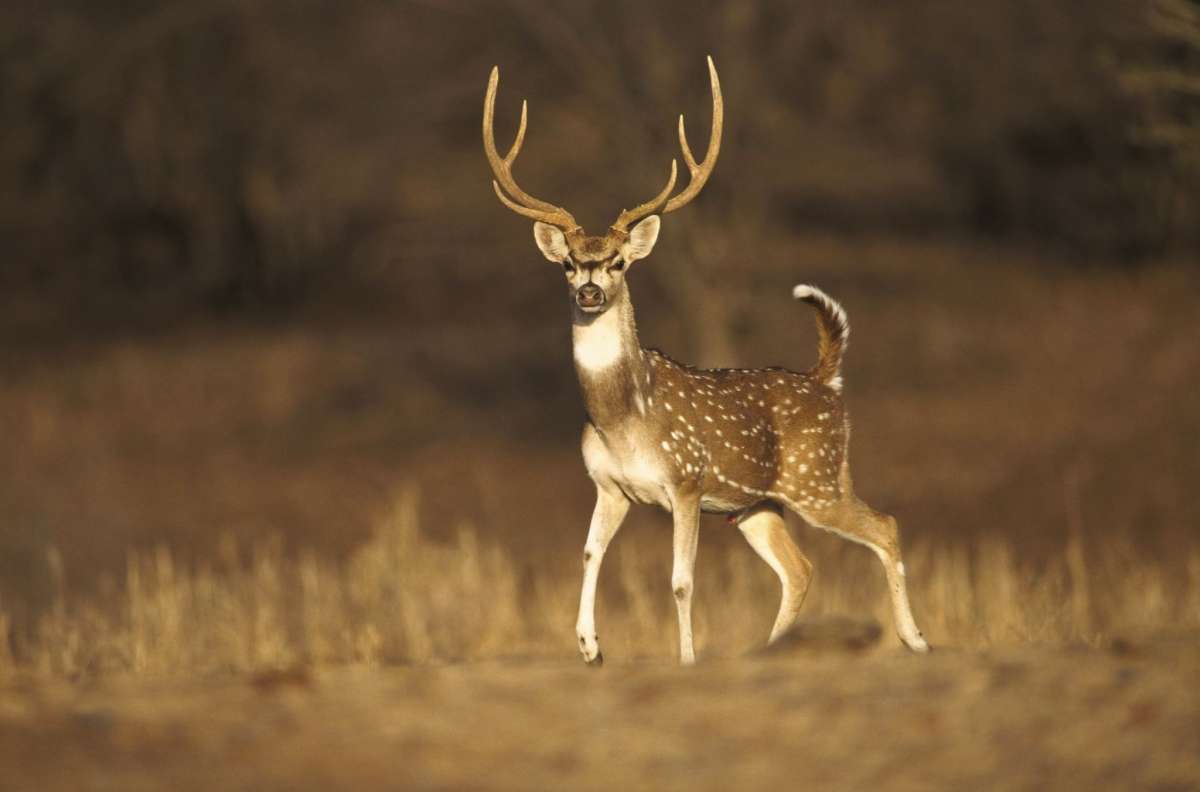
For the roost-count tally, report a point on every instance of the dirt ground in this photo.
(1125, 717)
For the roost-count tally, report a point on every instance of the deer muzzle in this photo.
(589, 295)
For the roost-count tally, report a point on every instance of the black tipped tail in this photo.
(833, 330)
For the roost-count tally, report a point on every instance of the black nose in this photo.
(590, 295)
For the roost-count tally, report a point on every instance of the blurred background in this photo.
(254, 281)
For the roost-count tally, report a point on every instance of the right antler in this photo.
(524, 203)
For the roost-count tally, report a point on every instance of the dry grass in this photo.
(406, 598)
(1058, 515)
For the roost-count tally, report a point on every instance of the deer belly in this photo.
(724, 502)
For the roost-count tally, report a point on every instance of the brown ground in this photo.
(1032, 718)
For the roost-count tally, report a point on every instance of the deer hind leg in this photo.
(858, 522)
(767, 533)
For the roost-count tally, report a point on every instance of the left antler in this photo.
(699, 171)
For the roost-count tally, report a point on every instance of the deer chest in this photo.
(638, 472)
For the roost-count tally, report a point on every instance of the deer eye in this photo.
(617, 265)
(568, 267)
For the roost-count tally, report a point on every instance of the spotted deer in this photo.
(746, 443)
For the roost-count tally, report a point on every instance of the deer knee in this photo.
(891, 528)
(681, 587)
(884, 535)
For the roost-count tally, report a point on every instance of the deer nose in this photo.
(589, 295)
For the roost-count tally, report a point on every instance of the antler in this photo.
(699, 172)
(524, 203)
(656, 203)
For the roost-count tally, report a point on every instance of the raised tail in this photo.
(833, 331)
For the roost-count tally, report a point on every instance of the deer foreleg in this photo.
(686, 514)
(610, 511)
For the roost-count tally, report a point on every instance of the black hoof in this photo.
(596, 661)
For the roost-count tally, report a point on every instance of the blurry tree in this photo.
(173, 150)
(1162, 76)
(230, 153)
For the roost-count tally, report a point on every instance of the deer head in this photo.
(595, 265)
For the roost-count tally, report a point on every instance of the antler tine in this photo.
(687, 150)
(520, 141)
(524, 203)
(536, 214)
(655, 204)
(701, 172)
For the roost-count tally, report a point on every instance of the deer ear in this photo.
(641, 240)
(551, 241)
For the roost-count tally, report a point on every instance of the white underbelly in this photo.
(718, 505)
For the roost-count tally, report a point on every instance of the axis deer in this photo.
(740, 442)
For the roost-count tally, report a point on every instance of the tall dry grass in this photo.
(405, 598)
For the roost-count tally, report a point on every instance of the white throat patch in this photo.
(598, 345)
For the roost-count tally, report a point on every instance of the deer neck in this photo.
(610, 363)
